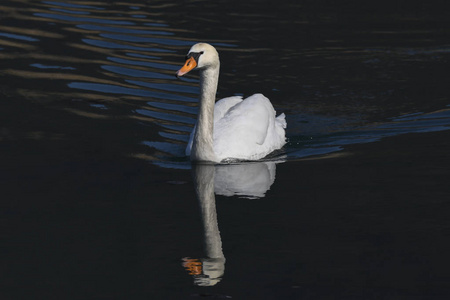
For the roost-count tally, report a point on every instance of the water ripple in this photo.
(122, 30)
(72, 5)
(112, 45)
(41, 66)
(74, 12)
(160, 95)
(18, 37)
(117, 61)
(299, 147)
(135, 73)
(143, 63)
(82, 19)
(141, 39)
(108, 88)
(166, 116)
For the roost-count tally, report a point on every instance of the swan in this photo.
(233, 128)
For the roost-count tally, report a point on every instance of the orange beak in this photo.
(188, 66)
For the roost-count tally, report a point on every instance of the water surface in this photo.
(99, 200)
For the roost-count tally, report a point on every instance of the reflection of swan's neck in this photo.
(204, 178)
(202, 147)
(211, 268)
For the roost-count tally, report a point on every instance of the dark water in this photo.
(99, 202)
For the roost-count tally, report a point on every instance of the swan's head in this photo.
(200, 56)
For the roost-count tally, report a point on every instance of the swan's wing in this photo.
(247, 121)
(220, 109)
(223, 106)
(243, 126)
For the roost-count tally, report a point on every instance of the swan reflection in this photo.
(250, 180)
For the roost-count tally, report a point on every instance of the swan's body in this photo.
(245, 129)
(232, 128)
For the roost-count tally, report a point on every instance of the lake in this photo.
(99, 200)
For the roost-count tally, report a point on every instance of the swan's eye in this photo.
(201, 52)
(195, 55)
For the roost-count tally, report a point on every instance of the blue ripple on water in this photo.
(163, 95)
(71, 5)
(307, 152)
(140, 39)
(173, 149)
(411, 123)
(180, 128)
(175, 107)
(122, 29)
(18, 37)
(144, 63)
(110, 45)
(107, 88)
(136, 73)
(173, 136)
(419, 116)
(115, 89)
(41, 66)
(81, 19)
(74, 12)
(156, 24)
(167, 86)
(165, 116)
(141, 55)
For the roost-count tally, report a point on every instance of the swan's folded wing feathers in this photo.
(243, 126)
(222, 106)
(257, 116)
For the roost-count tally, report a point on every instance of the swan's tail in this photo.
(281, 120)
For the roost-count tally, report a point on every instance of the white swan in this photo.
(233, 128)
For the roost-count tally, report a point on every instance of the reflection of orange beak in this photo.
(188, 66)
(193, 266)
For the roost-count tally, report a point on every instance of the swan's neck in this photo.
(203, 144)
